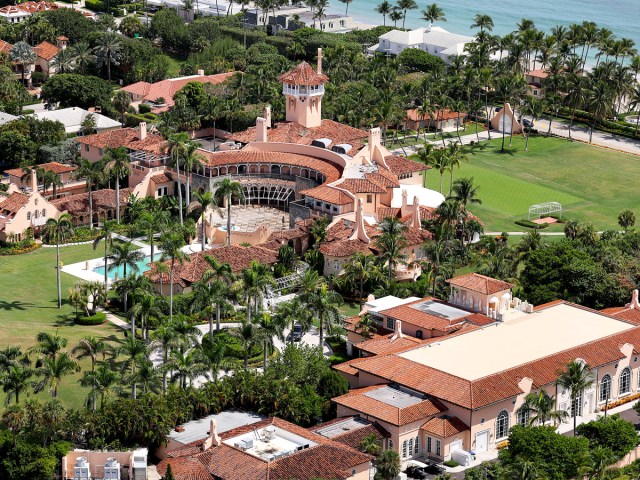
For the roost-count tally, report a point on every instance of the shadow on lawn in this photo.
(15, 305)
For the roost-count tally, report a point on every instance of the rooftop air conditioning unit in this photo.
(270, 432)
(112, 469)
(81, 469)
(246, 444)
(342, 149)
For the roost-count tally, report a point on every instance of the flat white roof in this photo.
(270, 443)
(197, 429)
(384, 303)
(426, 197)
(521, 338)
(73, 117)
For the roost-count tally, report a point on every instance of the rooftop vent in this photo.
(81, 469)
(321, 143)
(342, 148)
(112, 469)
(270, 433)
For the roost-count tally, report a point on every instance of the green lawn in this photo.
(28, 305)
(592, 184)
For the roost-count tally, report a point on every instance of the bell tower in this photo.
(303, 88)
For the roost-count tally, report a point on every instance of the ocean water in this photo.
(620, 16)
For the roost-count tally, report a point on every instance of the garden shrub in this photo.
(144, 108)
(95, 5)
(18, 248)
(98, 319)
(529, 224)
(451, 463)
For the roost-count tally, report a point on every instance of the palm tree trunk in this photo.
(202, 240)
(229, 219)
(217, 317)
(134, 392)
(211, 327)
(58, 273)
(321, 335)
(179, 191)
(105, 263)
(264, 356)
(118, 199)
(171, 292)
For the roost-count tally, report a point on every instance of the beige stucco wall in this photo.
(96, 462)
(20, 223)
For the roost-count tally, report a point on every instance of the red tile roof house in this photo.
(21, 11)
(144, 92)
(20, 178)
(273, 449)
(464, 390)
(535, 82)
(45, 53)
(443, 118)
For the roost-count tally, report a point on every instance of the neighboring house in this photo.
(290, 17)
(149, 93)
(535, 82)
(20, 211)
(45, 54)
(73, 117)
(104, 205)
(443, 119)
(434, 40)
(464, 390)
(93, 147)
(69, 183)
(19, 12)
(274, 449)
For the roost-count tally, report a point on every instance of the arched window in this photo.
(416, 446)
(502, 424)
(410, 447)
(404, 449)
(44, 212)
(28, 215)
(522, 416)
(390, 444)
(625, 381)
(605, 388)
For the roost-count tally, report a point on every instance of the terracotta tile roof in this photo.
(160, 178)
(123, 137)
(358, 401)
(5, 47)
(303, 74)
(233, 157)
(46, 50)
(384, 212)
(48, 167)
(628, 314)
(345, 248)
(386, 345)
(403, 166)
(239, 258)
(416, 236)
(291, 132)
(384, 177)
(348, 366)
(439, 115)
(328, 194)
(168, 88)
(327, 459)
(377, 331)
(538, 73)
(62, 38)
(103, 200)
(444, 426)
(361, 185)
(479, 283)
(29, 7)
(354, 437)
(12, 203)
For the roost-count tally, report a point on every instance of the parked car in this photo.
(497, 109)
(434, 468)
(416, 469)
(527, 123)
(296, 333)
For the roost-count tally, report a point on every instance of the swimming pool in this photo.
(143, 266)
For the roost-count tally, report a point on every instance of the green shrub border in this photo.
(98, 319)
(529, 224)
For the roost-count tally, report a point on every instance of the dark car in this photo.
(527, 123)
(497, 109)
(295, 334)
(433, 468)
(416, 472)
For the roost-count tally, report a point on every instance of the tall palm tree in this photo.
(15, 380)
(201, 203)
(120, 103)
(384, 8)
(212, 355)
(224, 190)
(533, 108)
(433, 13)
(359, 270)
(483, 22)
(83, 56)
(58, 230)
(387, 465)
(247, 335)
(105, 235)
(424, 154)
(135, 352)
(64, 61)
(271, 327)
(151, 222)
(391, 243)
(576, 377)
(174, 146)
(101, 382)
(324, 305)
(93, 173)
(255, 281)
(147, 377)
(108, 50)
(293, 312)
(164, 338)
(191, 160)
(91, 347)
(171, 243)
(405, 5)
(53, 370)
(125, 254)
(541, 408)
(207, 298)
(117, 164)
(147, 306)
(23, 54)
(48, 345)
(464, 192)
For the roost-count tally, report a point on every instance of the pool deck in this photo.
(85, 270)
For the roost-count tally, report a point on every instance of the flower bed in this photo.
(622, 401)
(18, 248)
(502, 445)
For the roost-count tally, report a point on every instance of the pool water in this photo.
(143, 266)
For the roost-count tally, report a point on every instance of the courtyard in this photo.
(593, 184)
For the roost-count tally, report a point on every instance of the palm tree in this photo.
(212, 355)
(147, 377)
(201, 203)
(58, 230)
(576, 377)
(598, 463)
(91, 347)
(64, 61)
(191, 159)
(541, 408)
(23, 54)
(174, 146)
(634, 104)
(53, 370)
(483, 22)
(359, 270)
(83, 56)
(323, 303)
(255, 281)
(171, 243)
(424, 154)
(93, 174)
(346, 2)
(125, 254)
(108, 49)
(164, 338)
(48, 345)
(106, 235)
(147, 306)
(533, 108)
(370, 445)
(224, 190)
(384, 8)
(391, 243)
(121, 102)
(15, 419)
(464, 192)
(151, 222)
(387, 465)
(100, 382)
(433, 13)
(405, 5)
(207, 298)
(135, 352)
(247, 335)
(15, 380)
(117, 164)
(270, 327)
(396, 15)
(293, 312)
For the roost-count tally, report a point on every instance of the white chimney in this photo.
(415, 218)
(142, 129)
(261, 129)
(213, 438)
(635, 303)
(319, 60)
(359, 232)
(201, 73)
(34, 180)
(267, 115)
(397, 333)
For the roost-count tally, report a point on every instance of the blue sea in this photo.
(620, 16)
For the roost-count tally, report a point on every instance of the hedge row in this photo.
(98, 319)
(529, 224)
(605, 126)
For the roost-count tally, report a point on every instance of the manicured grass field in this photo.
(593, 184)
(28, 305)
